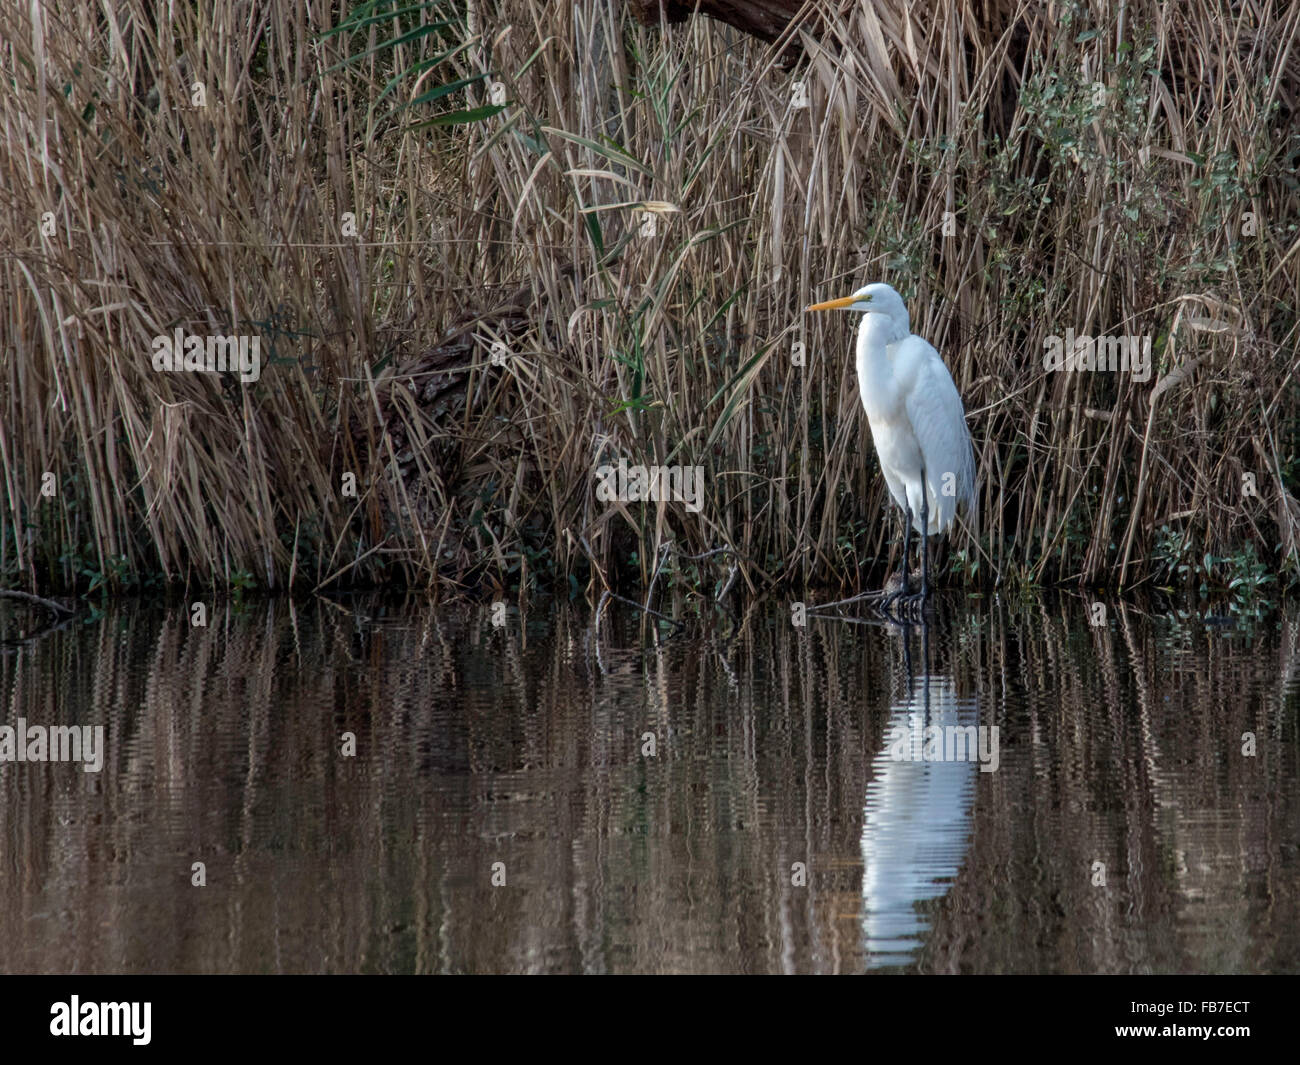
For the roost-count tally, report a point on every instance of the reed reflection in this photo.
(649, 795)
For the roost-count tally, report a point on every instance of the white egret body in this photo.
(916, 416)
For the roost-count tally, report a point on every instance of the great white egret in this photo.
(917, 422)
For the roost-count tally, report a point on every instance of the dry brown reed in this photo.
(615, 266)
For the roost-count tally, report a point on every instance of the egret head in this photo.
(876, 298)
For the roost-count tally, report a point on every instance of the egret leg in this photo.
(919, 599)
(925, 539)
(907, 546)
(905, 588)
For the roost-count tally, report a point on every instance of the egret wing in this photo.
(938, 420)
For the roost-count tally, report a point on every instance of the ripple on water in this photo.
(373, 786)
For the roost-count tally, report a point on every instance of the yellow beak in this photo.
(834, 305)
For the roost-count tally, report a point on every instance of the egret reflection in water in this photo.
(917, 820)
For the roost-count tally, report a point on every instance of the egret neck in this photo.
(876, 380)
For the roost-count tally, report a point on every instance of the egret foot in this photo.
(912, 606)
(896, 589)
(901, 603)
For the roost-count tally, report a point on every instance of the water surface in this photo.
(729, 799)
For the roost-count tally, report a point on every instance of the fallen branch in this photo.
(607, 595)
(49, 604)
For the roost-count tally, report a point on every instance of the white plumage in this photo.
(916, 416)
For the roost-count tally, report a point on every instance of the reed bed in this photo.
(605, 256)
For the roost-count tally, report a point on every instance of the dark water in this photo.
(1127, 826)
